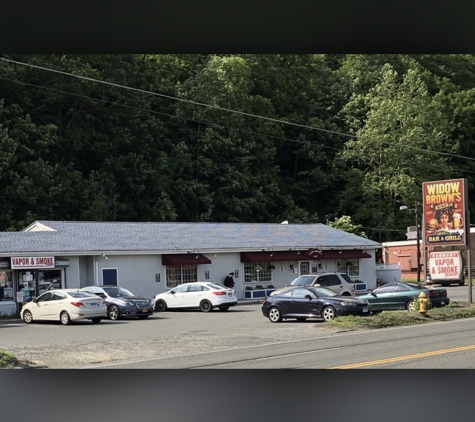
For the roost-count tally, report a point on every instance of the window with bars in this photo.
(179, 274)
(257, 272)
(349, 266)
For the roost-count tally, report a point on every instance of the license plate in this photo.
(365, 309)
(94, 304)
(144, 310)
(230, 294)
(442, 302)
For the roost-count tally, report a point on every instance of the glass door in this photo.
(27, 285)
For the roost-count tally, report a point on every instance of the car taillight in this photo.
(219, 293)
(78, 304)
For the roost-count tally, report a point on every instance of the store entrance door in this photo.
(27, 286)
(32, 283)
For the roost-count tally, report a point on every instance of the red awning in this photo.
(303, 256)
(188, 259)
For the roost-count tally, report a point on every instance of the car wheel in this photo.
(113, 312)
(96, 320)
(461, 283)
(301, 319)
(410, 306)
(205, 306)
(274, 314)
(223, 308)
(64, 318)
(27, 317)
(161, 306)
(328, 313)
(346, 294)
(143, 316)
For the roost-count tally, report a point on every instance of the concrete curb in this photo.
(249, 301)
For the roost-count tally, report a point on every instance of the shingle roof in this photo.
(81, 237)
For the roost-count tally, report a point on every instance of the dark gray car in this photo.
(121, 303)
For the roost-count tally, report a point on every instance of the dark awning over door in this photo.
(187, 259)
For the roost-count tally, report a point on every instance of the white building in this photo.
(149, 258)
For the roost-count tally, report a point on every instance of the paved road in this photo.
(459, 293)
(239, 338)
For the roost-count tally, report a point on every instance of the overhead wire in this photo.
(116, 104)
(216, 107)
(203, 105)
(178, 98)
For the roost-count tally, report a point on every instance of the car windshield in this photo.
(302, 281)
(322, 292)
(117, 292)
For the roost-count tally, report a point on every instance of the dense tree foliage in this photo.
(232, 138)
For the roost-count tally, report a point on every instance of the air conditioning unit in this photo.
(411, 232)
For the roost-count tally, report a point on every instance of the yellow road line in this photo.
(399, 358)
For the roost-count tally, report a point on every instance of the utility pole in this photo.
(418, 237)
(418, 246)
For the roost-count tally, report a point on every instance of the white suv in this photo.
(340, 283)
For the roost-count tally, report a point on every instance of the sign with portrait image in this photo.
(444, 204)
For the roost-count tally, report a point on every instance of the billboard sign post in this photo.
(446, 218)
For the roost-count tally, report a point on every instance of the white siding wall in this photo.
(138, 272)
(72, 273)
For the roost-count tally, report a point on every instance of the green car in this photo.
(396, 296)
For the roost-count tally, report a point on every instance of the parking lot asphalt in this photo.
(240, 302)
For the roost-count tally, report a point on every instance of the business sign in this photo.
(444, 210)
(22, 262)
(445, 265)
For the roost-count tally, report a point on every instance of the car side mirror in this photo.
(308, 297)
(373, 294)
(33, 299)
(172, 292)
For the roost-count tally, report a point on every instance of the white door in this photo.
(41, 309)
(176, 297)
(193, 296)
(57, 304)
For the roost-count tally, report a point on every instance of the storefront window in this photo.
(257, 272)
(349, 266)
(179, 274)
(6, 286)
(48, 279)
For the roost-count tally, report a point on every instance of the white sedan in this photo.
(202, 295)
(64, 305)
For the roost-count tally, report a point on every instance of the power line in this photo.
(218, 107)
(178, 99)
(116, 104)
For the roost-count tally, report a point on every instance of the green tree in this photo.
(344, 223)
(397, 127)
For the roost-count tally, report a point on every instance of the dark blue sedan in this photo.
(301, 303)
